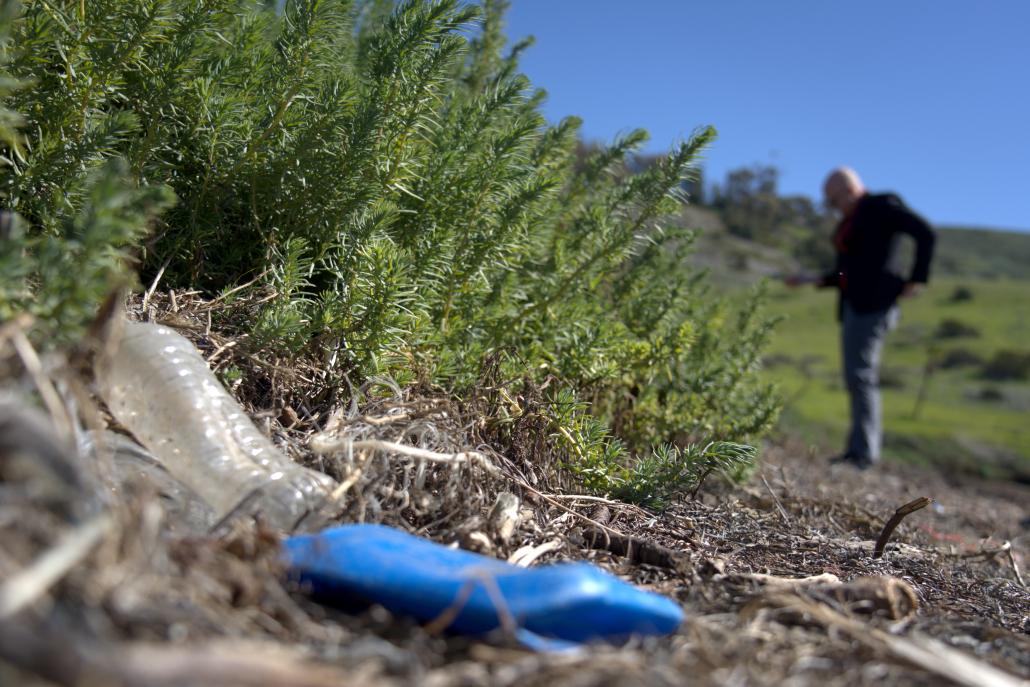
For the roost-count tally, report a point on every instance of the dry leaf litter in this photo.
(111, 573)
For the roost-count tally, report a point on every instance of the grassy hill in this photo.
(967, 419)
(968, 252)
(960, 252)
(977, 307)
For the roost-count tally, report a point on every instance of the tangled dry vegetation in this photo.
(107, 575)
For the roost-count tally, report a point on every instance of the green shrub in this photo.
(59, 272)
(1007, 364)
(991, 393)
(60, 279)
(961, 293)
(399, 188)
(953, 329)
(960, 357)
(892, 378)
(669, 470)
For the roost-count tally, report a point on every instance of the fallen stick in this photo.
(1015, 567)
(779, 506)
(987, 553)
(353, 478)
(789, 582)
(211, 304)
(29, 584)
(34, 366)
(899, 515)
(864, 595)
(157, 280)
(928, 654)
(72, 660)
(321, 444)
(609, 532)
(525, 556)
(448, 615)
(638, 550)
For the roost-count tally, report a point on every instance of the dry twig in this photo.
(24, 587)
(776, 500)
(899, 515)
(322, 444)
(924, 652)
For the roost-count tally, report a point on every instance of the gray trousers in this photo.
(862, 338)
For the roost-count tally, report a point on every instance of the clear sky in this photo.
(930, 99)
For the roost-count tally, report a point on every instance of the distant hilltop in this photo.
(735, 260)
(749, 230)
(988, 253)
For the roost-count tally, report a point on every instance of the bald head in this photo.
(843, 189)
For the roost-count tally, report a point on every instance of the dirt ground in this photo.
(102, 583)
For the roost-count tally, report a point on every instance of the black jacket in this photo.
(870, 260)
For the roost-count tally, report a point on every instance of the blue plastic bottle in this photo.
(577, 602)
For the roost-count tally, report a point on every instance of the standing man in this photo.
(867, 241)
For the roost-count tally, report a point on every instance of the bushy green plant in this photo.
(61, 278)
(60, 272)
(9, 120)
(389, 172)
(1007, 364)
(670, 470)
(952, 328)
(667, 470)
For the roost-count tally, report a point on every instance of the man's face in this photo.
(840, 197)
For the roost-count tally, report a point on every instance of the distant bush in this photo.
(960, 357)
(982, 253)
(737, 260)
(752, 209)
(961, 293)
(892, 378)
(954, 329)
(776, 360)
(1007, 364)
(990, 393)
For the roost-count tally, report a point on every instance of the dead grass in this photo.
(146, 603)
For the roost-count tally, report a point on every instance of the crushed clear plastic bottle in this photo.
(159, 386)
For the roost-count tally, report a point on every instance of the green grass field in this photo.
(966, 421)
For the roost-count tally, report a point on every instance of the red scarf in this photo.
(840, 239)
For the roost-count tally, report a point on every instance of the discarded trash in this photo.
(158, 385)
(577, 602)
(185, 512)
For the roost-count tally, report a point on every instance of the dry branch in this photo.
(923, 652)
(638, 550)
(776, 500)
(322, 444)
(65, 659)
(899, 515)
(146, 583)
(23, 588)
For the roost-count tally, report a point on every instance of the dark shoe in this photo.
(855, 461)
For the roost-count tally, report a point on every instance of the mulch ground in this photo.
(777, 577)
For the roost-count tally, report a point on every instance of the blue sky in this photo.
(927, 99)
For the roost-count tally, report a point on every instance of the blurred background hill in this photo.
(956, 375)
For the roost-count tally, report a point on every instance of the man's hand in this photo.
(911, 289)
